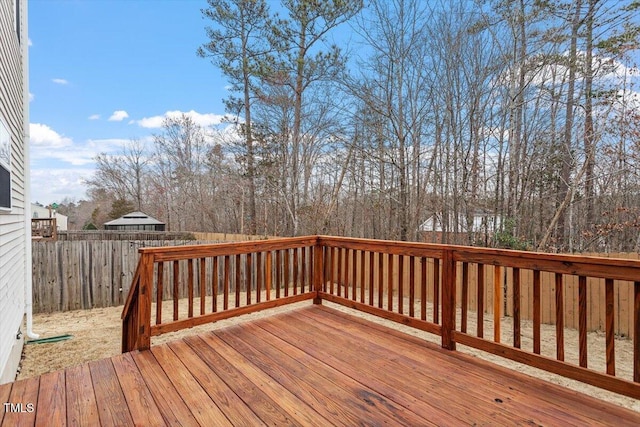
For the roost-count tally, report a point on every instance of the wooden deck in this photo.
(311, 366)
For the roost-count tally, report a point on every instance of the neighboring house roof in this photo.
(135, 218)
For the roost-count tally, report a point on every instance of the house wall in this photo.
(14, 258)
(62, 221)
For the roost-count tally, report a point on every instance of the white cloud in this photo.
(60, 81)
(54, 184)
(118, 116)
(94, 117)
(206, 119)
(29, 42)
(43, 136)
(31, 97)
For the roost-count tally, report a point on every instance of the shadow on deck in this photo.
(311, 366)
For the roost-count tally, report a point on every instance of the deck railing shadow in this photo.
(440, 289)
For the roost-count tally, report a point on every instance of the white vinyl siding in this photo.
(12, 222)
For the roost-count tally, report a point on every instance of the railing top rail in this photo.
(593, 266)
(131, 295)
(174, 253)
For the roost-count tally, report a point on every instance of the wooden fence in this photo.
(74, 275)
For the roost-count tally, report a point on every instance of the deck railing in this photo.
(443, 290)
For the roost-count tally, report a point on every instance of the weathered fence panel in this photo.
(83, 274)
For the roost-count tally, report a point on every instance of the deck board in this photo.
(310, 366)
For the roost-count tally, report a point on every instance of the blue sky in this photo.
(105, 71)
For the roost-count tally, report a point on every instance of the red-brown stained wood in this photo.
(203, 284)
(480, 300)
(287, 266)
(268, 273)
(517, 331)
(362, 276)
(582, 321)
(354, 274)
(5, 391)
(227, 279)
(279, 273)
(636, 331)
(304, 277)
(214, 285)
(295, 271)
(248, 277)
(112, 407)
(23, 394)
(401, 284)
(339, 272)
(412, 286)
(176, 288)
(536, 311)
(190, 285)
(436, 290)
(497, 302)
(423, 289)
(371, 277)
(52, 400)
(203, 409)
(448, 300)
(559, 317)
(234, 409)
(237, 284)
(144, 302)
(262, 404)
(380, 278)
(347, 268)
(169, 402)
(390, 282)
(609, 328)
(159, 291)
(259, 276)
(142, 407)
(464, 297)
(82, 408)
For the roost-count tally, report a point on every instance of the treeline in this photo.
(503, 123)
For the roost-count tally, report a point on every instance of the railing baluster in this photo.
(536, 311)
(464, 297)
(227, 261)
(423, 289)
(380, 279)
(339, 272)
(347, 268)
(636, 332)
(259, 277)
(304, 274)
(190, 286)
(401, 284)
(287, 266)
(582, 320)
(176, 290)
(268, 276)
(237, 284)
(203, 284)
(390, 282)
(214, 285)
(278, 272)
(354, 272)
(517, 331)
(371, 258)
(609, 328)
(249, 278)
(412, 293)
(559, 317)
(480, 300)
(159, 291)
(332, 266)
(497, 298)
(362, 275)
(295, 271)
(436, 290)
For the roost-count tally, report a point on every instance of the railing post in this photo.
(144, 302)
(318, 262)
(448, 299)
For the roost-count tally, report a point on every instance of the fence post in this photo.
(448, 299)
(144, 302)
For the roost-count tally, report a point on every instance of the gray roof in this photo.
(134, 218)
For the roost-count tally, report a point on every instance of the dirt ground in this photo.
(97, 334)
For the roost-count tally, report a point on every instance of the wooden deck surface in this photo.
(313, 366)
